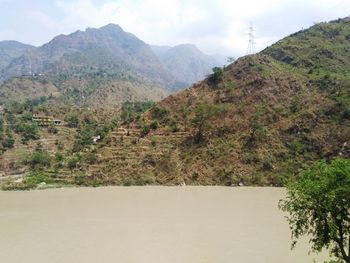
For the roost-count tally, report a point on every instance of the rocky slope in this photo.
(10, 50)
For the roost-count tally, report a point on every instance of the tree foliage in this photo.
(318, 204)
(218, 74)
(130, 111)
(201, 120)
(72, 120)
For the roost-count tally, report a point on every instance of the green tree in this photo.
(201, 120)
(318, 204)
(72, 120)
(218, 74)
(8, 141)
(40, 159)
(131, 110)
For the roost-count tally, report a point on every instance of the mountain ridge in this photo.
(186, 62)
(108, 51)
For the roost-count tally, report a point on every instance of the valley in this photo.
(257, 121)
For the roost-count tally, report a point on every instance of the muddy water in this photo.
(147, 224)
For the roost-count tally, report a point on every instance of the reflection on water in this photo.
(147, 224)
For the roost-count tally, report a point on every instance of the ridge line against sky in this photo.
(215, 26)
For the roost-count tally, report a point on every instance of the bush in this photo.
(37, 177)
(90, 158)
(130, 111)
(154, 125)
(72, 120)
(84, 138)
(145, 130)
(145, 179)
(218, 74)
(39, 159)
(159, 113)
(8, 142)
(29, 131)
(52, 129)
(73, 163)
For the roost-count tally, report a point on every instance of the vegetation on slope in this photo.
(256, 122)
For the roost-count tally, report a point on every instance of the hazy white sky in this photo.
(215, 26)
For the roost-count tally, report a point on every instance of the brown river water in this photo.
(147, 225)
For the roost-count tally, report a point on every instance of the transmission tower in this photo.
(251, 45)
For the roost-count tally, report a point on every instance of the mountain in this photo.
(186, 62)
(87, 68)
(97, 65)
(107, 48)
(10, 50)
(256, 122)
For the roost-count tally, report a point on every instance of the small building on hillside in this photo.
(46, 120)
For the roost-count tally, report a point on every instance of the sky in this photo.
(215, 26)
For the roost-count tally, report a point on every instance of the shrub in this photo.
(72, 120)
(154, 125)
(73, 163)
(52, 129)
(137, 179)
(145, 130)
(34, 178)
(90, 158)
(131, 111)
(218, 74)
(40, 159)
(159, 113)
(8, 142)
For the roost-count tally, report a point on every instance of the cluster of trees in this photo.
(16, 107)
(18, 117)
(131, 111)
(88, 127)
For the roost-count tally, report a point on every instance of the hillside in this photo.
(255, 122)
(186, 62)
(10, 50)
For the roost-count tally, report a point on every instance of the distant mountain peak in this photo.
(187, 45)
(111, 26)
